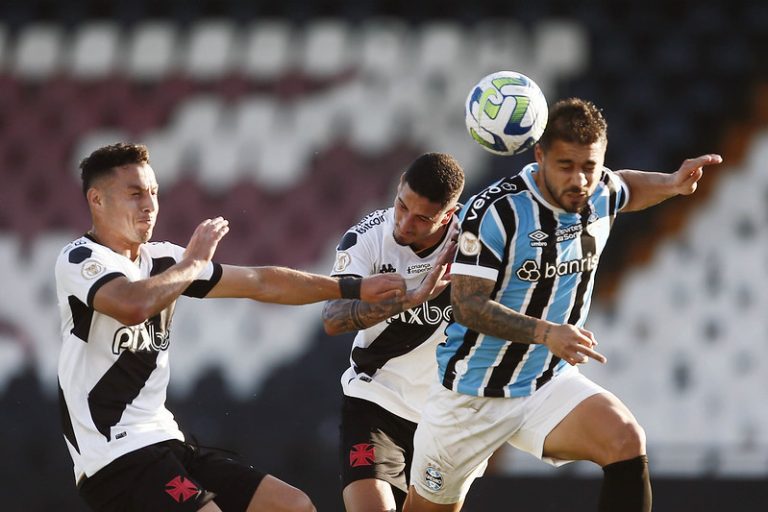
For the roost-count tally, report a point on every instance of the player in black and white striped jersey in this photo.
(392, 363)
(116, 293)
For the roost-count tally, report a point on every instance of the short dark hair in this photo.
(436, 176)
(576, 121)
(102, 161)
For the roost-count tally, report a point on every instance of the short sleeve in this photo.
(485, 229)
(166, 254)
(354, 255)
(82, 269)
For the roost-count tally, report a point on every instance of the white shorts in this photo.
(458, 433)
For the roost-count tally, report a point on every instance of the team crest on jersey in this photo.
(433, 477)
(469, 245)
(343, 259)
(91, 269)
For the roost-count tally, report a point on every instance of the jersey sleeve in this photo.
(83, 269)
(619, 190)
(207, 279)
(482, 240)
(354, 255)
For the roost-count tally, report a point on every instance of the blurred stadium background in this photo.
(295, 118)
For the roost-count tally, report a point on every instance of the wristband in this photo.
(350, 287)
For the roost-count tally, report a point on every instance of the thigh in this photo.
(600, 429)
(233, 482)
(547, 409)
(375, 444)
(454, 439)
(150, 479)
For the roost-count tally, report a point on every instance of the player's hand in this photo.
(686, 178)
(382, 287)
(572, 344)
(437, 279)
(205, 239)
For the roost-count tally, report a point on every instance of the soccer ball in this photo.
(506, 113)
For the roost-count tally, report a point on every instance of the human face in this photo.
(569, 173)
(418, 221)
(124, 205)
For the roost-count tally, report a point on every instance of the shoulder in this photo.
(371, 221)
(162, 249)
(479, 204)
(77, 251)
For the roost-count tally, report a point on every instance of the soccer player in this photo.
(393, 355)
(116, 293)
(521, 289)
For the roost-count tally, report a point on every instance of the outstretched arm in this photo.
(650, 188)
(473, 307)
(340, 316)
(280, 285)
(132, 302)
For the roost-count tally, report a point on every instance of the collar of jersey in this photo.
(527, 175)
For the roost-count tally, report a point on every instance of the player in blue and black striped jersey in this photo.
(521, 289)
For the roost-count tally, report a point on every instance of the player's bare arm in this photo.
(650, 188)
(280, 285)
(132, 302)
(474, 308)
(340, 316)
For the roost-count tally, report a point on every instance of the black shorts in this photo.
(171, 476)
(374, 444)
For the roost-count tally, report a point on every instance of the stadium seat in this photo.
(38, 51)
(381, 45)
(211, 50)
(325, 52)
(94, 51)
(152, 51)
(268, 51)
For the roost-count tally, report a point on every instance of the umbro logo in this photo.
(538, 238)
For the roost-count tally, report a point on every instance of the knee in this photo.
(628, 442)
(300, 502)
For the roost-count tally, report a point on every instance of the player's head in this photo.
(121, 191)
(427, 197)
(571, 153)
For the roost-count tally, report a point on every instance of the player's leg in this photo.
(369, 495)
(277, 496)
(455, 438)
(603, 430)
(572, 418)
(153, 478)
(238, 486)
(375, 451)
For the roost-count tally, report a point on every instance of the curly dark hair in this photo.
(576, 121)
(102, 161)
(436, 176)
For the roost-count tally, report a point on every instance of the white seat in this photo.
(165, 156)
(439, 48)
(211, 49)
(268, 50)
(219, 169)
(326, 49)
(561, 47)
(381, 48)
(500, 45)
(38, 51)
(197, 119)
(152, 51)
(92, 141)
(94, 50)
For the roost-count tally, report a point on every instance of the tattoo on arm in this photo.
(353, 315)
(474, 308)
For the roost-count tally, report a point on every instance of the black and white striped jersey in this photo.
(113, 377)
(393, 362)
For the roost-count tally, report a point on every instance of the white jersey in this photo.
(113, 377)
(393, 362)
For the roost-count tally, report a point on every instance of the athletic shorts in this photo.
(458, 433)
(171, 476)
(374, 444)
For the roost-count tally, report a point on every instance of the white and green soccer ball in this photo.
(506, 113)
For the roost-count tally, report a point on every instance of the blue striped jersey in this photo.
(542, 260)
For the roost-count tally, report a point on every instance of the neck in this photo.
(127, 249)
(430, 241)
